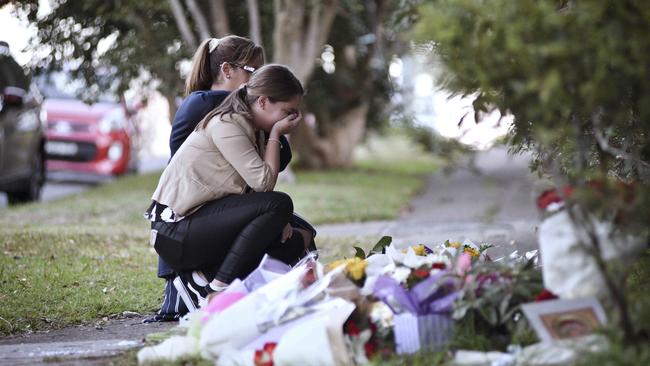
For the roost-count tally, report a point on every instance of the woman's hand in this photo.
(287, 232)
(288, 123)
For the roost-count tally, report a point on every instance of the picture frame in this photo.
(561, 319)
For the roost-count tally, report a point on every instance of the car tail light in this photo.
(13, 95)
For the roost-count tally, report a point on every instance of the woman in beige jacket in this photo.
(214, 209)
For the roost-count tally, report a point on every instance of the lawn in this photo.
(80, 258)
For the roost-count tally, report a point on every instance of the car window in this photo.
(59, 85)
(11, 74)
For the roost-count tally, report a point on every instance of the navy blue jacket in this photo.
(196, 106)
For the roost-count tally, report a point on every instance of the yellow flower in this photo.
(418, 249)
(473, 252)
(335, 264)
(354, 267)
(454, 244)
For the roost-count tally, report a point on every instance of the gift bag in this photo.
(414, 333)
(568, 269)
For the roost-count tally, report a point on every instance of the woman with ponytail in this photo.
(219, 66)
(214, 212)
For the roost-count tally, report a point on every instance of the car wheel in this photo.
(33, 185)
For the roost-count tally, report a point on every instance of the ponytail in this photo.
(200, 77)
(212, 53)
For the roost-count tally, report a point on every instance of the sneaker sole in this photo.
(185, 295)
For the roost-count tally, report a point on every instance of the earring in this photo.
(227, 76)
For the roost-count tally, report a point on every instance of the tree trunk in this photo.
(298, 40)
(183, 25)
(171, 101)
(334, 150)
(298, 37)
(219, 18)
(199, 19)
(254, 21)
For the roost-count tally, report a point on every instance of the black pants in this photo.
(227, 238)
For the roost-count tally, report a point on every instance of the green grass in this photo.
(354, 195)
(77, 259)
(86, 256)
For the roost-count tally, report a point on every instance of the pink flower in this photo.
(464, 263)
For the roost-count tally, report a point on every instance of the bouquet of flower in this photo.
(489, 299)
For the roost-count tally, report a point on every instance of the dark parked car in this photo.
(22, 139)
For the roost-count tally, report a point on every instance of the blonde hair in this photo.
(212, 53)
(276, 82)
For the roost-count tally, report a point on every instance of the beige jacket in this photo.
(213, 162)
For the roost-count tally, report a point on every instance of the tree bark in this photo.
(199, 19)
(336, 148)
(219, 18)
(183, 26)
(299, 38)
(582, 222)
(254, 21)
(300, 34)
(171, 101)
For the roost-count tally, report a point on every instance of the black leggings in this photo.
(227, 238)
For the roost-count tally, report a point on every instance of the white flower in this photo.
(401, 274)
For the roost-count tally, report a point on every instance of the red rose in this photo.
(370, 349)
(270, 347)
(438, 265)
(551, 196)
(373, 327)
(351, 328)
(264, 357)
(545, 295)
(421, 273)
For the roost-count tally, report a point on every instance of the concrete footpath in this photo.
(492, 202)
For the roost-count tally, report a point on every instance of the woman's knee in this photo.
(281, 202)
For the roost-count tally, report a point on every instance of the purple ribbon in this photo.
(434, 294)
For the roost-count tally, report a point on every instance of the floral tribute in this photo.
(388, 300)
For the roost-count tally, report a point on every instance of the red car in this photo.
(98, 138)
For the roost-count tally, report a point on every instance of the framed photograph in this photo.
(561, 319)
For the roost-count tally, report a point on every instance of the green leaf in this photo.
(380, 247)
(503, 307)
